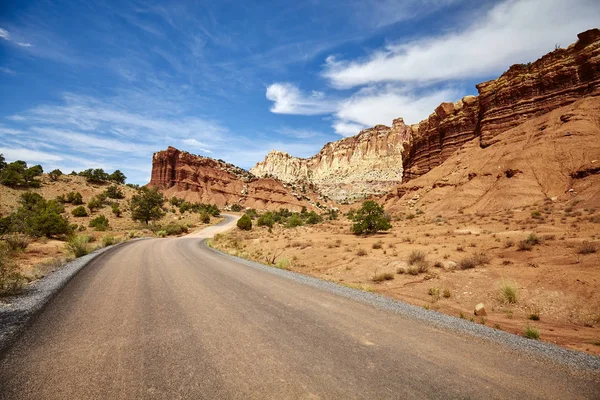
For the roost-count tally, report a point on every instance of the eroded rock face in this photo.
(351, 168)
(196, 178)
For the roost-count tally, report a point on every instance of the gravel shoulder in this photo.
(569, 358)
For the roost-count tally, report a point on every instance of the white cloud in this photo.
(4, 34)
(385, 12)
(299, 133)
(13, 154)
(288, 99)
(196, 144)
(380, 105)
(8, 71)
(347, 128)
(511, 32)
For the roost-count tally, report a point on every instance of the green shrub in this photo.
(146, 205)
(294, 221)
(114, 192)
(36, 217)
(244, 223)
(11, 279)
(369, 219)
(100, 223)
(161, 234)
(252, 213)
(236, 208)
(115, 210)
(79, 211)
(266, 220)
(55, 174)
(204, 217)
(531, 333)
(95, 203)
(78, 245)
(108, 240)
(175, 229)
(74, 198)
(16, 174)
(313, 218)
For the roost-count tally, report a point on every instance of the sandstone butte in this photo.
(195, 178)
(378, 159)
(478, 139)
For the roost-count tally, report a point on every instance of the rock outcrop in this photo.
(349, 169)
(196, 178)
(524, 91)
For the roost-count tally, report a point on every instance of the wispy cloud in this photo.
(288, 99)
(6, 36)
(510, 32)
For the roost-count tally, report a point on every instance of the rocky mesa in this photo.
(349, 169)
(195, 178)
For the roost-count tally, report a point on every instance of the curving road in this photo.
(170, 319)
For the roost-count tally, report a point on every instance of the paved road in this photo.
(169, 319)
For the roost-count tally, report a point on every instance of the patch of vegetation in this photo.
(416, 257)
(210, 209)
(370, 219)
(587, 248)
(36, 217)
(434, 292)
(266, 220)
(114, 192)
(473, 261)
(146, 205)
(527, 244)
(508, 292)
(384, 276)
(531, 333)
(236, 208)
(79, 211)
(361, 252)
(377, 245)
(98, 175)
(54, 175)
(78, 245)
(17, 174)
(109, 240)
(11, 279)
(100, 223)
(294, 221)
(244, 223)
(17, 241)
(116, 210)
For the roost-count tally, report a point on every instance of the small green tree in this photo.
(313, 218)
(115, 209)
(369, 219)
(75, 198)
(55, 174)
(244, 223)
(39, 217)
(95, 203)
(146, 205)
(294, 221)
(236, 208)
(266, 220)
(114, 192)
(117, 177)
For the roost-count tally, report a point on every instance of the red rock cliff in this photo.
(524, 91)
(195, 178)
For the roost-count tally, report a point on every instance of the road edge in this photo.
(21, 308)
(569, 358)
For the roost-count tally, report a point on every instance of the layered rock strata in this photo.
(196, 178)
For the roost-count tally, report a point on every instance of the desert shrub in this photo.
(116, 210)
(236, 208)
(536, 214)
(146, 205)
(313, 218)
(266, 220)
(447, 294)
(175, 229)
(370, 219)
(114, 192)
(252, 213)
(100, 223)
(161, 234)
(17, 174)
(108, 240)
(244, 223)
(283, 263)
(55, 174)
(95, 204)
(416, 256)
(11, 279)
(524, 245)
(78, 245)
(587, 248)
(534, 315)
(361, 252)
(204, 217)
(36, 217)
(384, 276)
(531, 333)
(413, 270)
(79, 211)
(117, 177)
(508, 293)
(17, 241)
(467, 263)
(294, 221)
(377, 245)
(434, 292)
(74, 198)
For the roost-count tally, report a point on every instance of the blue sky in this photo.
(105, 84)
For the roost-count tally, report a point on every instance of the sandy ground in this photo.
(552, 280)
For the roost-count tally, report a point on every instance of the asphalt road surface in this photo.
(170, 319)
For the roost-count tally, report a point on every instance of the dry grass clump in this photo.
(11, 279)
(384, 276)
(377, 245)
(17, 241)
(531, 333)
(361, 252)
(79, 245)
(415, 257)
(527, 244)
(587, 248)
(434, 292)
(508, 293)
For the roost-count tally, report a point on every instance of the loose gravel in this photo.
(568, 358)
(16, 311)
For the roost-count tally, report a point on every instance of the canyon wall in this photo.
(524, 91)
(349, 169)
(196, 178)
